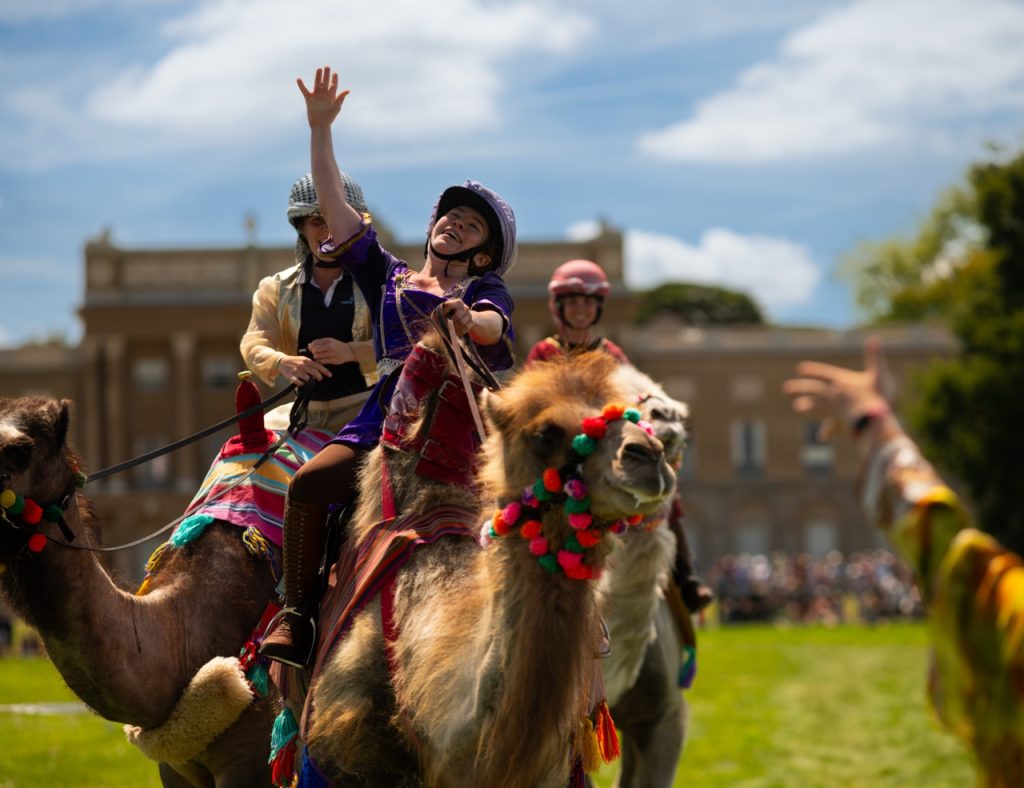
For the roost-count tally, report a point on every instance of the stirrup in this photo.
(290, 653)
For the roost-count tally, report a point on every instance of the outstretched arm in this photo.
(323, 103)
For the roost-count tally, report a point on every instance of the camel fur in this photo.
(130, 658)
(496, 659)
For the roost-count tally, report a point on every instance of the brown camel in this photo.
(130, 658)
(490, 670)
(642, 668)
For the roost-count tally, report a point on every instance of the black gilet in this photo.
(317, 320)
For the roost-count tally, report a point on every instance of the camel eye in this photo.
(547, 441)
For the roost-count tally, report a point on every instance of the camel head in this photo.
(38, 471)
(563, 422)
(666, 415)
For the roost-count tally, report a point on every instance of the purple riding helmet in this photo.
(501, 222)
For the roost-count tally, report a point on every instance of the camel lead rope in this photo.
(464, 377)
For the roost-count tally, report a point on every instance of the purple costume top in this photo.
(401, 315)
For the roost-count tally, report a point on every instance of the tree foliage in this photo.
(698, 305)
(970, 417)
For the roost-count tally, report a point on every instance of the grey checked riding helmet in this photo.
(303, 202)
(501, 223)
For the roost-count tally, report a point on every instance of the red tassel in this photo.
(607, 737)
(283, 767)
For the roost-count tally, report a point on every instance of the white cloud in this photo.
(777, 273)
(13, 13)
(876, 72)
(415, 69)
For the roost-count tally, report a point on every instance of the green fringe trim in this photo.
(285, 729)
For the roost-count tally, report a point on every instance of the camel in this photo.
(642, 668)
(488, 667)
(130, 658)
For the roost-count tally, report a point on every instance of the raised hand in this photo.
(323, 102)
(837, 392)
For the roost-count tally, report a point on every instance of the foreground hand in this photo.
(323, 102)
(460, 315)
(842, 393)
(300, 370)
(328, 350)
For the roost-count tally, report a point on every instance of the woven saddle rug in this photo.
(257, 501)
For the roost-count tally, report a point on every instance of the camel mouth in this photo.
(645, 494)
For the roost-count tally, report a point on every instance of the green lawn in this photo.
(796, 707)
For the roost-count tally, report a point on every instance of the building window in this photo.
(817, 456)
(155, 473)
(150, 374)
(748, 446)
(220, 372)
(746, 388)
(820, 536)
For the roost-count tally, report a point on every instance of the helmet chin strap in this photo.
(465, 256)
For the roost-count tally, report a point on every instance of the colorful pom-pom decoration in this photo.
(499, 525)
(595, 427)
(529, 498)
(531, 529)
(583, 445)
(572, 544)
(7, 498)
(37, 542)
(613, 412)
(646, 426)
(631, 414)
(549, 562)
(634, 519)
(53, 513)
(552, 480)
(540, 492)
(80, 479)
(573, 506)
(580, 520)
(510, 514)
(575, 488)
(581, 572)
(588, 538)
(18, 506)
(32, 513)
(538, 545)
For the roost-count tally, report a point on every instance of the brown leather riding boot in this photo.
(305, 530)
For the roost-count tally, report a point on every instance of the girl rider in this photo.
(471, 243)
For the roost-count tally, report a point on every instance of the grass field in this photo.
(791, 707)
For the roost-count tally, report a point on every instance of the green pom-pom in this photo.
(80, 479)
(492, 534)
(583, 445)
(259, 678)
(549, 562)
(190, 529)
(284, 731)
(577, 507)
(572, 544)
(542, 492)
(18, 506)
(53, 513)
(631, 414)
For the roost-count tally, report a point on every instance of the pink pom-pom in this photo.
(567, 560)
(575, 489)
(538, 545)
(510, 514)
(646, 426)
(580, 520)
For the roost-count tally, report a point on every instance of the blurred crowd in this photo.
(778, 587)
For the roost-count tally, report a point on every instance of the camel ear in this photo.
(61, 423)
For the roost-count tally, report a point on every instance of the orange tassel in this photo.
(607, 737)
(590, 750)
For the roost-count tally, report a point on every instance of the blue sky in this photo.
(742, 143)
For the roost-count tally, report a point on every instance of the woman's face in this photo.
(579, 311)
(314, 230)
(460, 229)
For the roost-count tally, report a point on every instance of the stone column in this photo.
(183, 343)
(117, 385)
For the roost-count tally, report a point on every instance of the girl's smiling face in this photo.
(459, 229)
(579, 311)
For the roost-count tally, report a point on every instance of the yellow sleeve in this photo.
(975, 592)
(262, 345)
